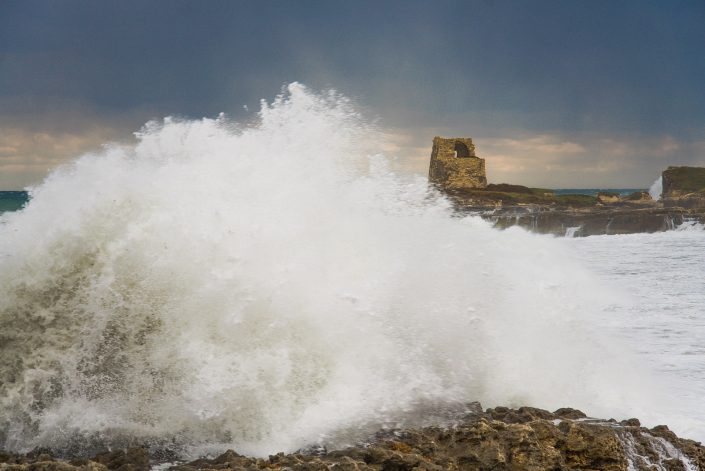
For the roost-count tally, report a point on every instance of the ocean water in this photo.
(274, 285)
(662, 316)
(12, 200)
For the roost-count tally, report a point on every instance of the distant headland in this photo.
(458, 172)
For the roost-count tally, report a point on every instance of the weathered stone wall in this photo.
(454, 165)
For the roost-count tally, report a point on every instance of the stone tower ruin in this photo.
(454, 165)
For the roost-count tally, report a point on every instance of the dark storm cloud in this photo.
(574, 71)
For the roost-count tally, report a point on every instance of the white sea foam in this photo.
(270, 286)
(662, 315)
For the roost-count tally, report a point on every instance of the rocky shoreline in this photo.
(681, 201)
(538, 211)
(582, 222)
(494, 439)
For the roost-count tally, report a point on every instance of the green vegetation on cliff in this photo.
(517, 194)
(576, 200)
(509, 188)
(638, 196)
(683, 179)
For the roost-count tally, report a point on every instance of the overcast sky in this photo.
(554, 93)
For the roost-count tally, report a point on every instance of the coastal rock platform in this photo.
(581, 222)
(457, 172)
(575, 215)
(495, 439)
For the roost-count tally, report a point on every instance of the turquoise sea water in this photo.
(12, 200)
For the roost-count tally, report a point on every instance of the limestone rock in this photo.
(590, 221)
(498, 439)
(514, 439)
(683, 180)
(132, 459)
(606, 197)
(684, 187)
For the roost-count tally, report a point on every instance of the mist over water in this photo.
(272, 285)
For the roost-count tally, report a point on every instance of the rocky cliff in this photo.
(684, 187)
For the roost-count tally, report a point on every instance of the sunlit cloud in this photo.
(26, 156)
(554, 160)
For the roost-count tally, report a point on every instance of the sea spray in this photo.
(656, 189)
(271, 286)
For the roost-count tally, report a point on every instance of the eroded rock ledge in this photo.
(582, 222)
(544, 211)
(575, 215)
(495, 439)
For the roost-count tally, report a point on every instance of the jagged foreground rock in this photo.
(497, 439)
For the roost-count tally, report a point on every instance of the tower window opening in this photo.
(461, 150)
